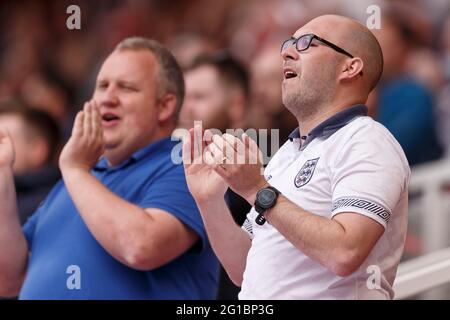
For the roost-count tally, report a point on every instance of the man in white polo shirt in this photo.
(330, 214)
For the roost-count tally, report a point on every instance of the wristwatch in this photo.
(266, 198)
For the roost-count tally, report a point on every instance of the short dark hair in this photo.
(170, 75)
(231, 71)
(38, 122)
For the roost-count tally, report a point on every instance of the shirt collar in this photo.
(332, 124)
(102, 164)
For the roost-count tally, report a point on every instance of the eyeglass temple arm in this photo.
(335, 47)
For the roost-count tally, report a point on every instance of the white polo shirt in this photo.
(349, 163)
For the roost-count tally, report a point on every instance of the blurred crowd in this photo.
(48, 71)
(47, 66)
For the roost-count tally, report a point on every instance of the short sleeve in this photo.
(169, 192)
(369, 175)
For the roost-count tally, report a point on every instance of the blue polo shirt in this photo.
(67, 262)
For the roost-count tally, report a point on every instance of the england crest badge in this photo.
(305, 173)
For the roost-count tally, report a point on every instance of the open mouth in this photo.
(288, 74)
(110, 118)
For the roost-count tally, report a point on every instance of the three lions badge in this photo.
(305, 173)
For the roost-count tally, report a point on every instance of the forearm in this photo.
(119, 226)
(14, 248)
(229, 242)
(323, 240)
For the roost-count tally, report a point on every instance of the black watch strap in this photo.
(260, 219)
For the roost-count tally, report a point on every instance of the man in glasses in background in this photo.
(330, 214)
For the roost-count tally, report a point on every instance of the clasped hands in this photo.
(237, 162)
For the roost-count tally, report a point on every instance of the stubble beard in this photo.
(312, 95)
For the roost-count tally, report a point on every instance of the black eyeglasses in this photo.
(303, 43)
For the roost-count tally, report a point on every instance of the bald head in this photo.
(355, 38)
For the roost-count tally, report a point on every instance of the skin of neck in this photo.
(116, 156)
(340, 102)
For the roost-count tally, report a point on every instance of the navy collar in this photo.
(331, 125)
(102, 164)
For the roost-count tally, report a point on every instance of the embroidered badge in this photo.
(305, 173)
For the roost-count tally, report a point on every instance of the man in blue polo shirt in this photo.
(123, 227)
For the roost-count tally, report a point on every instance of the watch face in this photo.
(266, 197)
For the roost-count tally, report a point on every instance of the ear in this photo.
(167, 107)
(352, 68)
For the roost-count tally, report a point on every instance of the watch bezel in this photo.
(266, 204)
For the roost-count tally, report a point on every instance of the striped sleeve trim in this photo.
(366, 205)
(247, 227)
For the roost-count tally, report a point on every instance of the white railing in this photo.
(431, 213)
(423, 273)
(434, 205)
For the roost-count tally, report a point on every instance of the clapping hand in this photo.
(85, 145)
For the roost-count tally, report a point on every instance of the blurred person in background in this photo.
(425, 66)
(267, 110)
(444, 93)
(186, 47)
(126, 221)
(404, 105)
(47, 95)
(36, 138)
(217, 94)
(444, 46)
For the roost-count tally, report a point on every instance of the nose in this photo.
(290, 53)
(107, 97)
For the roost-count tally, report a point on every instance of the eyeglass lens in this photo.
(301, 43)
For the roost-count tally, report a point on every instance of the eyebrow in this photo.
(120, 81)
(127, 82)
